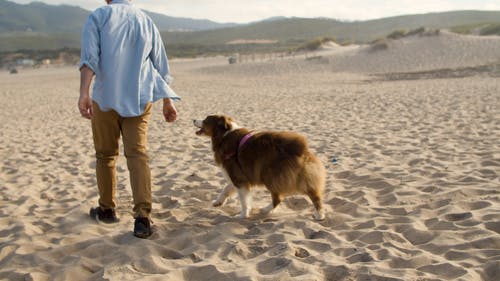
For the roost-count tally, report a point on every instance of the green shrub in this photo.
(397, 34)
(418, 31)
(492, 29)
(315, 44)
(379, 45)
(421, 31)
(462, 29)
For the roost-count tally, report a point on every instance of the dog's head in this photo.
(215, 125)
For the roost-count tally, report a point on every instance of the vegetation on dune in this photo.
(379, 45)
(467, 29)
(197, 50)
(478, 29)
(315, 44)
(382, 43)
(396, 34)
(421, 31)
(492, 29)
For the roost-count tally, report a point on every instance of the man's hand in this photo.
(85, 106)
(85, 102)
(169, 111)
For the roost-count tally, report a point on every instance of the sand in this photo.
(413, 165)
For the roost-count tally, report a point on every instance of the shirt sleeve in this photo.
(90, 44)
(158, 56)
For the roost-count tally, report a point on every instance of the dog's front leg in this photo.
(245, 201)
(226, 192)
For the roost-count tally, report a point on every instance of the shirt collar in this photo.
(121, 2)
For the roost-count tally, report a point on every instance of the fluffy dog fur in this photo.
(281, 161)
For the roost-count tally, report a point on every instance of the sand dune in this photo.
(421, 53)
(412, 187)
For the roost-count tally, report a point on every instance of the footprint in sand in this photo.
(493, 226)
(273, 265)
(458, 216)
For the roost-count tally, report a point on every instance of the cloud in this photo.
(246, 11)
(86, 4)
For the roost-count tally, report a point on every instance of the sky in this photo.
(244, 11)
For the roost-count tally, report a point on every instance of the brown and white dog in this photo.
(281, 161)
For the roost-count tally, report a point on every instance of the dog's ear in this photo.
(223, 123)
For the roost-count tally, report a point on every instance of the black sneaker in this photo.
(105, 216)
(142, 228)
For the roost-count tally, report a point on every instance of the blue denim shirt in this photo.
(124, 49)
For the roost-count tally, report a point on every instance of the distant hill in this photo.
(38, 17)
(290, 29)
(167, 23)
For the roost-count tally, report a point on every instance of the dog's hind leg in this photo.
(316, 199)
(221, 199)
(277, 198)
(245, 201)
(314, 175)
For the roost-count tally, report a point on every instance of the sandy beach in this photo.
(409, 137)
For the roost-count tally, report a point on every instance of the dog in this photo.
(280, 161)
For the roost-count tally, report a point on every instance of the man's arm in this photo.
(158, 56)
(159, 59)
(85, 102)
(89, 61)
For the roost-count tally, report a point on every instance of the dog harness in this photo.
(240, 145)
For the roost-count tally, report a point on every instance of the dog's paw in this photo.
(217, 203)
(319, 216)
(267, 210)
(244, 215)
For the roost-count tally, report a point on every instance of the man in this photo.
(123, 49)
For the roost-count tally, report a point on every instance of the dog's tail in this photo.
(314, 172)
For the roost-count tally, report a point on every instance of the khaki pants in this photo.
(107, 128)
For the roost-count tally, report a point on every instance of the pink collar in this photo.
(244, 140)
(240, 145)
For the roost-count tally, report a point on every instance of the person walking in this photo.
(123, 50)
